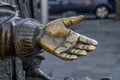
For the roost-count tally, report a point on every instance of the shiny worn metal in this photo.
(25, 37)
(64, 43)
(56, 38)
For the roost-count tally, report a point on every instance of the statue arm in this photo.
(29, 37)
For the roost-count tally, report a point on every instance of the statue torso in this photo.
(6, 39)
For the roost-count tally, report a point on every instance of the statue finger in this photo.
(66, 56)
(87, 40)
(85, 47)
(72, 20)
(73, 37)
(63, 48)
(60, 52)
(68, 44)
(78, 52)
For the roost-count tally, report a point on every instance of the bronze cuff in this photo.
(24, 38)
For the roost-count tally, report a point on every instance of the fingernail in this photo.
(83, 53)
(92, 47)
(81, 16)
(95, 42)
(74, 56)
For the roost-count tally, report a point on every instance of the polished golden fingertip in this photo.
(96, 43)
(91, 48)
(74, 57)
(82, 53)
(72, 20)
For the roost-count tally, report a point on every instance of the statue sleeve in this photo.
(17, 35)
(25, 33)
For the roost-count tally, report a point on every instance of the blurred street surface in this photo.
(87, 16)
(103, 62)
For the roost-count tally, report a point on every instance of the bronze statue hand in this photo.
(64, 43)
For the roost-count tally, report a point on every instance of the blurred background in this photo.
(90, 8)
(101, 23)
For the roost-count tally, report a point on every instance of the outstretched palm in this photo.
(64, 43)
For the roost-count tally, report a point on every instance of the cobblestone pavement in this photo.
(103, 62)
